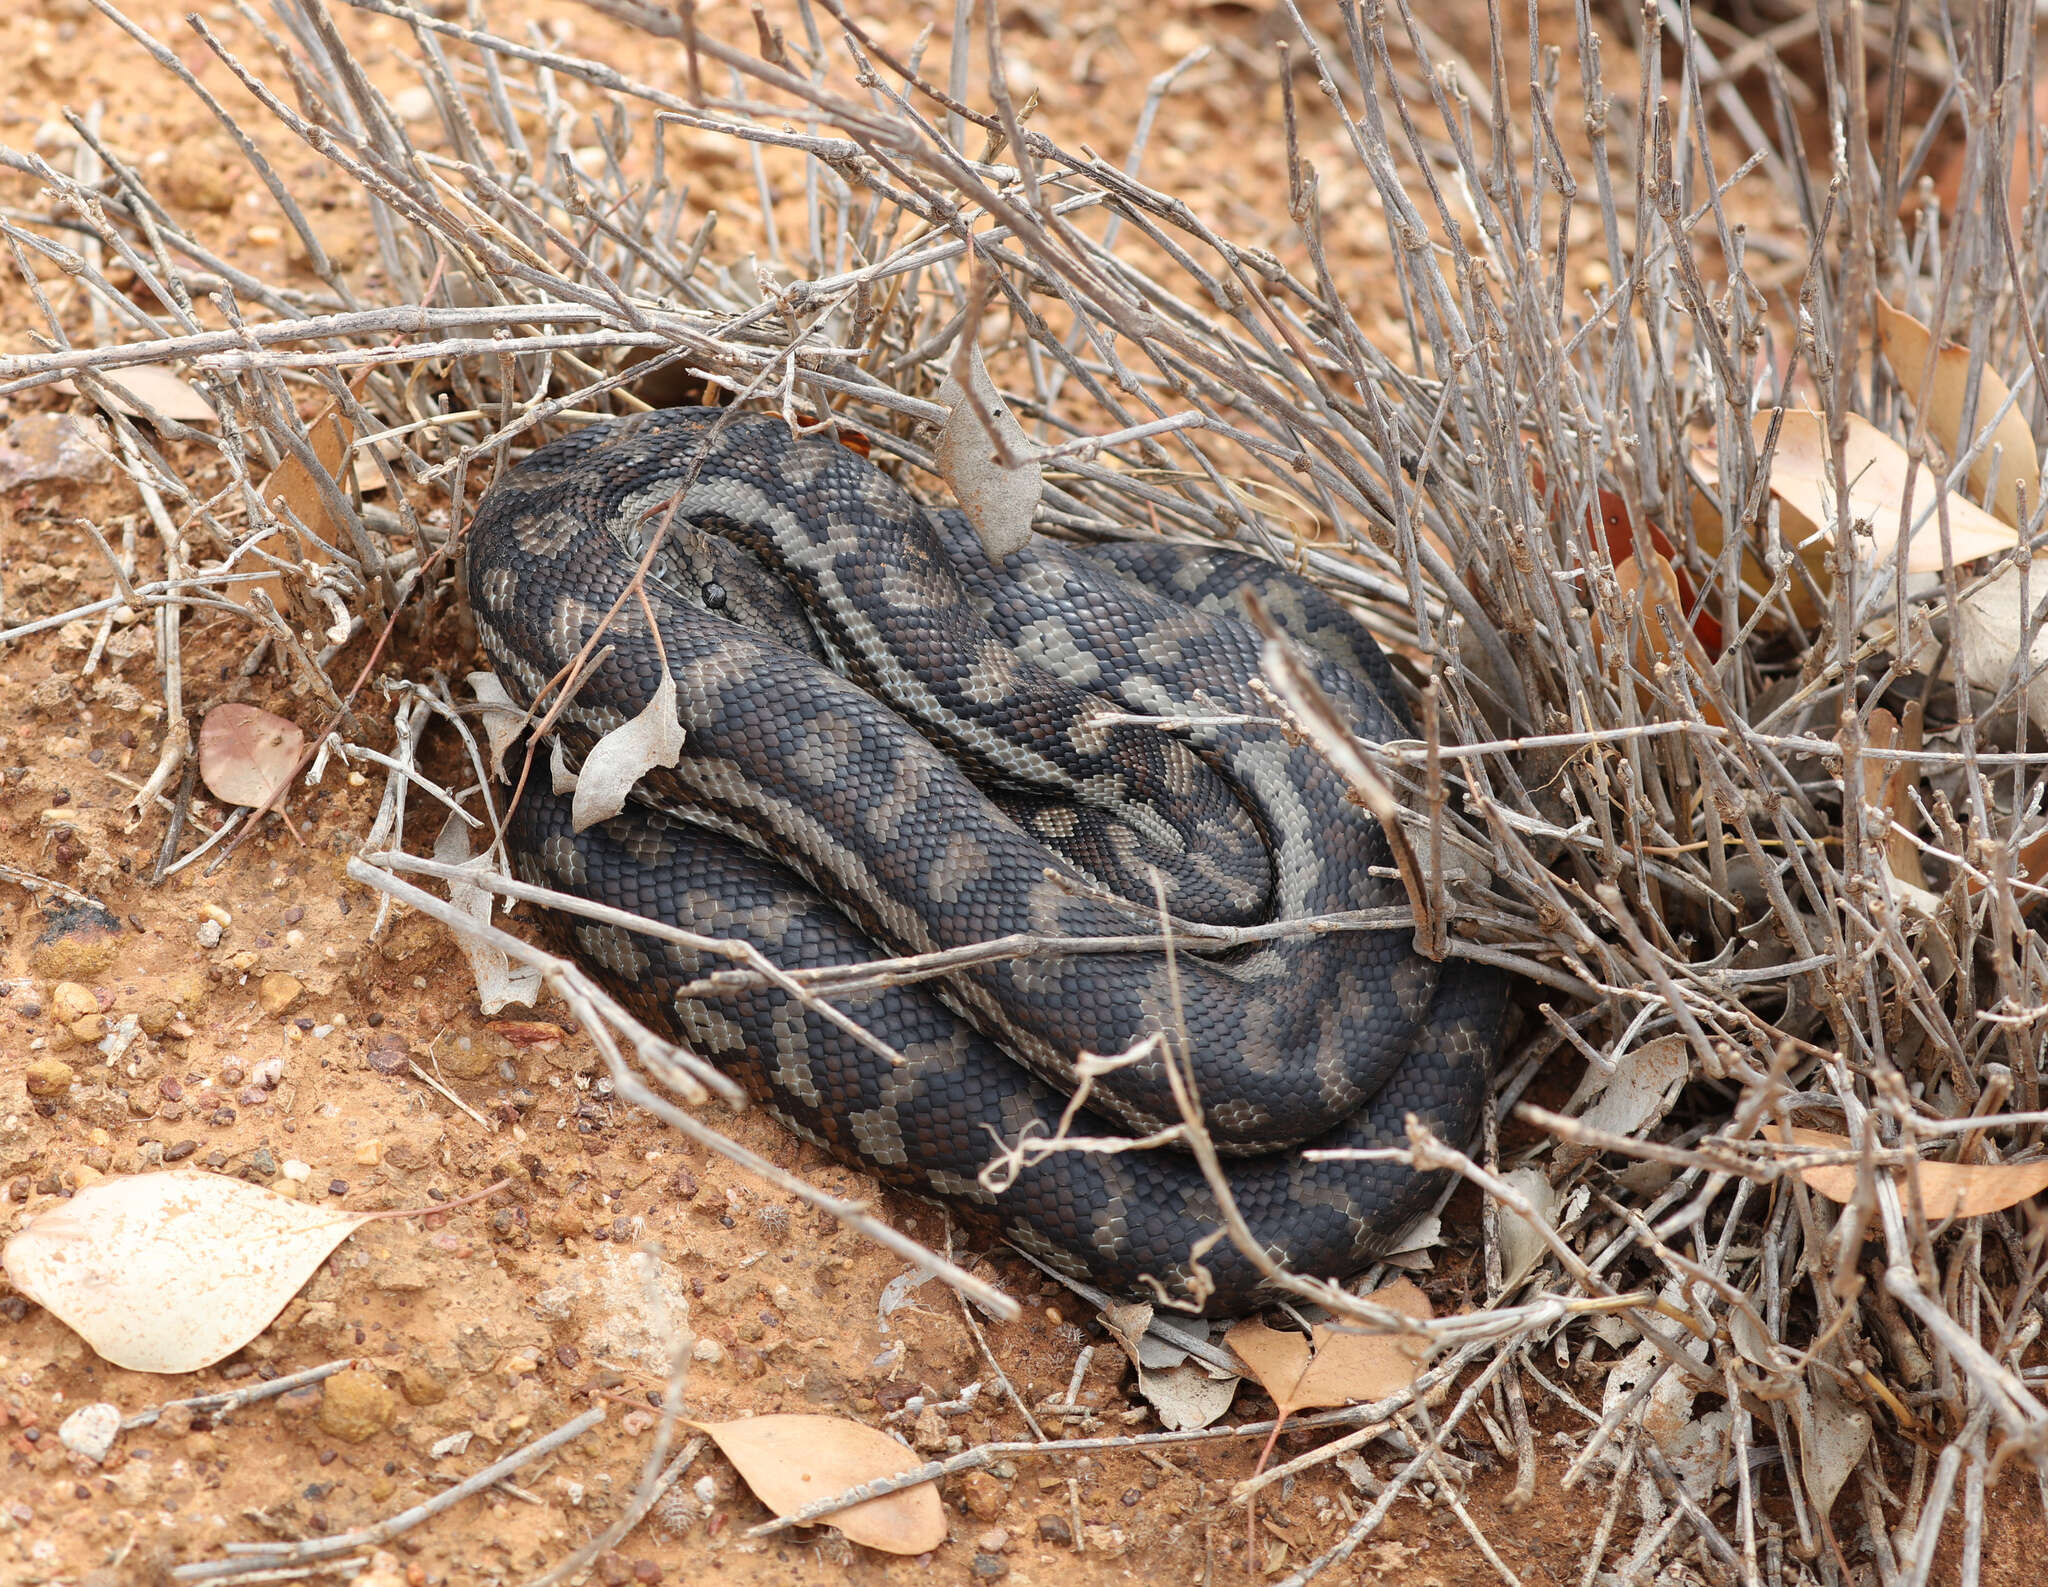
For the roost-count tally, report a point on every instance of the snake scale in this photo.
(810, 611)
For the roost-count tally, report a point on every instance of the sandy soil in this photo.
(289, 1051)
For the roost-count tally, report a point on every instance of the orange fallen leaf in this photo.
(1947, 1190)
(1652, 577)
(1331, 1367)
(1907, 345)
(245, 752)
(791, 1461)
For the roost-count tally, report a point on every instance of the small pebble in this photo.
(48, 1077)
(178, 1151)
(91, 1430)
(990, 1567)
(209, 934)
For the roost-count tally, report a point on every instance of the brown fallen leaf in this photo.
(1330, 1368)
(1335, 1368)
(791, 1461)
(291, 485)
(245, 752)
(1907, 344)
(1947, 1190)
(1650, 576)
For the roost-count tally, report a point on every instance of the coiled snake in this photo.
(809, 610)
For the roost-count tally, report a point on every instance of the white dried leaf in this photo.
(1521, 1245)
(499, 982)
(998, 500)
(625, 755)
(156, 385)
(1989, 627)
(560, 777)
(502, 718)
(1641, 1090)
(171, 1272)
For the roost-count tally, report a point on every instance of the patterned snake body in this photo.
(810, 610)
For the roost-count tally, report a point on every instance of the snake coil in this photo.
(894, 748)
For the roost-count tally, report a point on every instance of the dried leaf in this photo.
(791, 1461)
(998, 500)
(1521, 1245)
(170, 1272)
(499, 982)
(245, 753)
(1185, 1394)
(1906, 344)
(156, 386)
(1640, 1091)
(1803, 481)
(625, 755)
(502, 717)
(1347, 1368)
(1947, 1190)
(294, 495)
(1991, 623)
(1833, 1434)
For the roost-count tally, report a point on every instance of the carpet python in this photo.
(894, 747)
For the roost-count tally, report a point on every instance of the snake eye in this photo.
(714, 596)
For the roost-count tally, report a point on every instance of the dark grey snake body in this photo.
(796, 580)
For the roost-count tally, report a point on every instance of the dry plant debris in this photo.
(1606, 372)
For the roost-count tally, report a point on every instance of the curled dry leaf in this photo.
(998, 499)
(1650, 576)
(1522, 1245)
(1333, 1368)
(625, 755)
(247, 753)
(1833, 1434)
(1947, 1190)
(170, 1272)
(1991, 627)
(793, 1461)
(1803, 481)
(1907, 345)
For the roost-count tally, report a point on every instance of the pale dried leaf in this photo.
(1947, 1190)
(998, 500)
(1641, 1090)
(1803, 481)
(1906, 343)
(499, 982)
(1333, 1368)
(1521, 1245)
(1833, 1434)
(791, 1461)
(1187, 1396)
(246, 753)
(171, 1272)
(1991, 623)
(502, 717)
(156, 386)
(625, 755)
